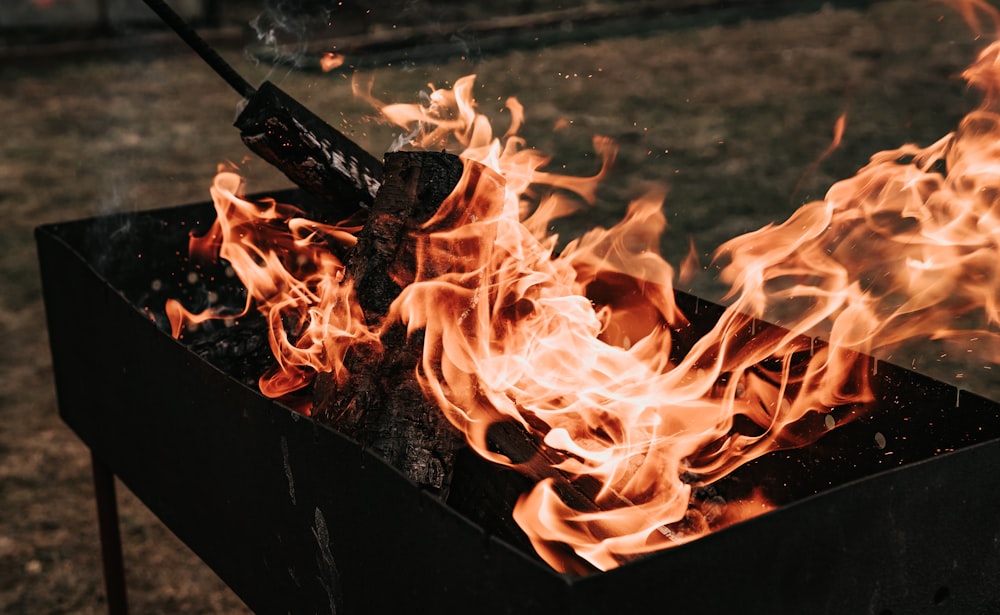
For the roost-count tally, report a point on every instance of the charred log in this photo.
(381, 404)
(414, 187)
(383, 407)
(310, 152)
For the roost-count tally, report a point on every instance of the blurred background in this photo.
(726, 104)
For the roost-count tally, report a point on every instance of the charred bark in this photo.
(381, 403)
(415, 185)
(310, 152)
(383, 407)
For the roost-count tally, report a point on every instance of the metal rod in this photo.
(111, 540)
(203, 49)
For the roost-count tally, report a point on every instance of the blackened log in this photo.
(383, 407)
(310, 152)
(415, 185)
(380, 403)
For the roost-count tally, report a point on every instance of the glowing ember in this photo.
(575, 349)
(330, 60)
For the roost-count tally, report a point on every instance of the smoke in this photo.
(285, 28)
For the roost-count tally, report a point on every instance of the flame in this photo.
(573, 351)
(906, 249)
(621, 414)
(292, 273)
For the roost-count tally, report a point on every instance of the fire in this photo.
(293, 275)
(630, 417)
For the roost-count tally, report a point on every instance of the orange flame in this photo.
(294, 277)
(330, 60)
(905, 249)
(573, 351)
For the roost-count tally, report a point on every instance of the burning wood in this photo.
(401, 426)
(562, 366)
(311, 153)
(416, 185)
(377, 400)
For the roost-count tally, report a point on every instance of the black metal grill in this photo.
(896, 512)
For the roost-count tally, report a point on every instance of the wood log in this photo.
(314, 155)
(381, 403)
(415, 185)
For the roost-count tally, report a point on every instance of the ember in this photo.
(631, 418)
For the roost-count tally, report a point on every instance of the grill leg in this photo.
(111, 541)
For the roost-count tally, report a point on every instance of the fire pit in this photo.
(440, 344)
(893, 512)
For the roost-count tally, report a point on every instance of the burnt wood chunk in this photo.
(313, 154)
(383, 407)
(381, 403)
(415, 185)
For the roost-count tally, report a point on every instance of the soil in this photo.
(730, 117)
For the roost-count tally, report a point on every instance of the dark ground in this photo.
(728, 116)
